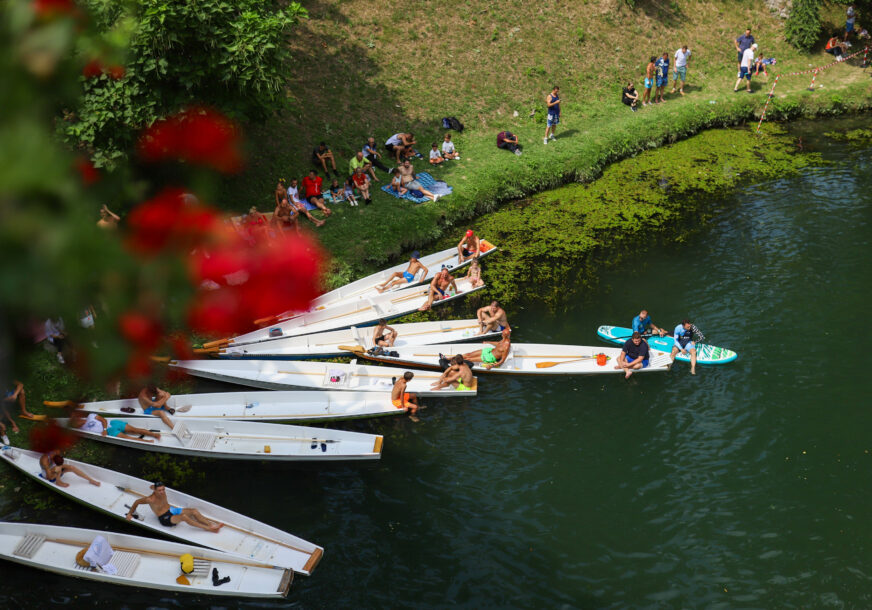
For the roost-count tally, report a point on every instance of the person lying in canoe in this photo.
(458, 376)
(492, 318)
(153, 401)
(644, 325)
(439, 288)
(469, 247)
(53, 468)
(384, 335)
(684, 343)
(170, 516)
(404, 277)
(402, 399)
(494, 354)
(91, 422)
(634, 356)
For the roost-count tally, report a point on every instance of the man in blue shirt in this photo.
(662, 66)
(683, 336)
(643, 325)
(634, 355)
(743, 42)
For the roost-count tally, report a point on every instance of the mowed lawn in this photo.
(375, 68)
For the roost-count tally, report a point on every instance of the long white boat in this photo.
(526, 359)
(366, 287)
(139, 562)
(241, 536)
(326, 345)
(361, 313)
(282, 374)
(243, 440)
(255, 405)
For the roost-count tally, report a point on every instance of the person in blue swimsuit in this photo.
(643, 325)
(634, 356)
(170, 516)
(684, 343)
(552, 103)
(153, 401)
(408, 276)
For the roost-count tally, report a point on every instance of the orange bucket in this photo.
(601, 359)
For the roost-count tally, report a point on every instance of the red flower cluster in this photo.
(95, 68)
(169, 221)
(50, 8)
(87, 171)
(196, 135)
(50, 437)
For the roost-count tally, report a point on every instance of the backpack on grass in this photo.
(452, 123)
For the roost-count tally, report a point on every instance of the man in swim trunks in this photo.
(439, 288)
(634, 355)
(650, 70)
(458, 375)
(91, 422)
(683, 336)
(405, 277)
(153, 401)
(383, 335)
(469, 247)
(285, 216)
(170, 516)
(53, 468)
(402, 399)
(493, 354)
(491, 318)
(17, 395)
(643, 325)
(312, 188)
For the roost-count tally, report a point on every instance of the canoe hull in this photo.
(705, 354)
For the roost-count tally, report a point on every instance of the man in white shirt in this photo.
(745, 67)
(680, 70)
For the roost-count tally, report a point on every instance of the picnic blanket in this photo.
(437, 187)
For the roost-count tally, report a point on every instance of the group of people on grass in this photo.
(657, 79)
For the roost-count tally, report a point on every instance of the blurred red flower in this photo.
(50, 8)
(50, 437)
(142, 331)
(87, 171)
(196, 135)
(116, 72)
(92, 69)
(139, 366)
(168, 221)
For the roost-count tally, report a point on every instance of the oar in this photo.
(60, 404)
(548, 365)
(356, 374)
(217, 343)
(354, 349)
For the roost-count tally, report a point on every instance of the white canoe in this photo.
(257, 405)
(140, 562)
(365, 287)
(282, 374)
(241, 536)
(363, 312)
(326, 345)
(524, 358)
(243, 440)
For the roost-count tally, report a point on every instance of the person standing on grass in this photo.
(681, 57)
(650, 76)
(849, 22)
(745, 67)
(552, 102)
(743, 43)
(662, 75)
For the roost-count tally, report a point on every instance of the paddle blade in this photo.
(218, 343)
(546, 365)
(59, 404)
(183, 409)
(354, 349)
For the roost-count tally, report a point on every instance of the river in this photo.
(747, 485)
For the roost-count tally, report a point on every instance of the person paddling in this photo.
(634, 356)
(684, 342)
(643, 325)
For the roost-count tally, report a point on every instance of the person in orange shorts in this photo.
(402, 399)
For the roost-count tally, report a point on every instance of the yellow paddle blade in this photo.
(217, 343)
(546, 365)
(59, 403)
(356, 349)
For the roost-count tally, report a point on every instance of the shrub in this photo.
(803, 24)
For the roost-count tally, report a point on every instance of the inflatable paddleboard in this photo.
(705, 354)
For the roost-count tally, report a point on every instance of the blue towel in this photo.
(437, 187)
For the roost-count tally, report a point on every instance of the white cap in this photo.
(754, 46)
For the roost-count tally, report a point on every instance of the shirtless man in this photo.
(294, 200)
(91, 422)
(17, 395)
(153, 401)
(53, 468)
(494, 356)
(492, 317)
(439, 288)
(170, 516)
(402, 399)
(285, 216)
(281, 191)
(384, 335)
(458, 375)
(108, 218)
(404, 277)
(469, 247)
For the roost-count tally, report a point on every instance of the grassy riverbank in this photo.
(363, 69)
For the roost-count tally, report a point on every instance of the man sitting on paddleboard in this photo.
(458, 375)
(492, 317)
(170, 516)
(404, 277)
(643, 325)
(634, 355)
(494, 356)
(683, 336)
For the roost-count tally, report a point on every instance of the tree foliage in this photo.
(803, 26)
(167, 53)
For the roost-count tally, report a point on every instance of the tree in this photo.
(803, 25)
(157, 56)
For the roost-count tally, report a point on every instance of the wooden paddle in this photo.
(60, 404)
(548, 365)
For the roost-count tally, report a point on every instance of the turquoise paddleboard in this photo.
(705, 354)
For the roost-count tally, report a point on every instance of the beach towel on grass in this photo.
(437, 187)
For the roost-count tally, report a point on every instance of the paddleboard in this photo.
(705, 354)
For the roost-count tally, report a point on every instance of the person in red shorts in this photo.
(362, 184)
(312, 188)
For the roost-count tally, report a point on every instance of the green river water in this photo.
(746, 486)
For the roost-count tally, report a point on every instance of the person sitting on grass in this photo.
(402, 399)
(153, 401)
(53, 468)
(397, 183)
(508, 141)
(493, 354)
(359, 160)
(91, 422)
(170, 516)
(17, 395)
(405, 277)
(312, 187)
(410, 181)
(337, 192)
(384, 335)
(285, 216)
(458, 376)
(402, 146)
(362, 183)
(630, 97)
(835, 46)
(474, 274)
(448, 151)
(435, 155)
(321, 156)
(294, 200)
(370, 151)
(256, 226)
(348, 192)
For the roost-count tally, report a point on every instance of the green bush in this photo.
(803, 25)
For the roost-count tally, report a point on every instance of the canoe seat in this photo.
(125, 562)
(29, 545)
(202, 567)
(193, 440)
